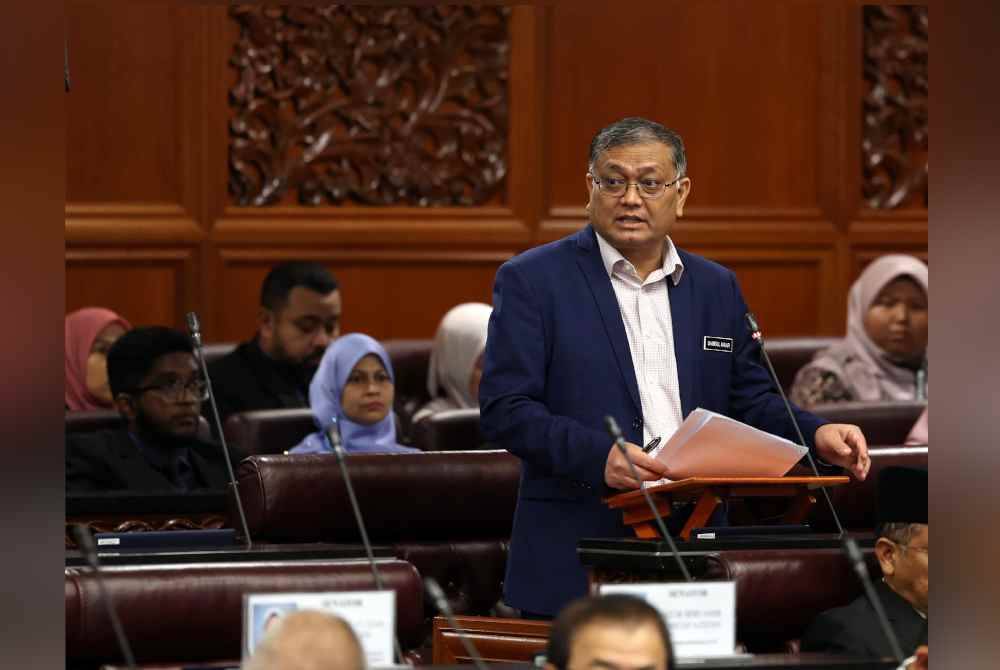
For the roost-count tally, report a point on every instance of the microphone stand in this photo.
(195, 329)
(616, 433)
(858, 563)
(756, 334)
(332, 436)
(441, 602)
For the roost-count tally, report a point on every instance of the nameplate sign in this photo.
(701, 616)
(718, 344)
(371, 614)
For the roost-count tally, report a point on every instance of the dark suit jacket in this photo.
(109, 460)
(854, 629)
(247, 379)
(557, 361)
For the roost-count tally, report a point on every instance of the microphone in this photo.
(85, 541)
(858, 563)
(332, 435)
(616, 433)
(194, 328)
(441, 602)
(756, 334)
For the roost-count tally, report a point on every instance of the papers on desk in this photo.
(712, 445)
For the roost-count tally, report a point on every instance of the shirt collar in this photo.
(672, 264)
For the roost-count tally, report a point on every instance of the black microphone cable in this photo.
(332, 436)
(616, 433)
(756, 334)
(194, 327)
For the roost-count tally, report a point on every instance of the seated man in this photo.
(308, 640)
(901, 547)
(158, 390)
(613, 632)
(299, 316)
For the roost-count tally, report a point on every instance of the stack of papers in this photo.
(712, 445)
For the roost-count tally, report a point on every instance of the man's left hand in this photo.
(843, 444)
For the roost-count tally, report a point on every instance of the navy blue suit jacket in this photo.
(557, 361)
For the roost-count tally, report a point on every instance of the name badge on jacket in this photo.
(718, 344)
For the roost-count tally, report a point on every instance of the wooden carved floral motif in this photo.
(894, 118)
(369, 105)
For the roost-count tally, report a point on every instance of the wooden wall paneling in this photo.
(132, 110)
(386, 293)
(147, 286)
(495, 225)
(790, 290)
(739, 80)
(526, 179)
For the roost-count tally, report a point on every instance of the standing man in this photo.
(299, 316)
(616, 320)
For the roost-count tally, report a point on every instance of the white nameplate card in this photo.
(701, 616)
(371, 614)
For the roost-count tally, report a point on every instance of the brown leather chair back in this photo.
(217, 350)
(420, 496)
(268, 431)
(91, 421)
(194, 612)
(450, 430)
(789, 354)
(780, 592)
(856, 502)
(883, 423)
(410, 361)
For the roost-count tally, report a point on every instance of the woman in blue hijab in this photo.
(353, 386)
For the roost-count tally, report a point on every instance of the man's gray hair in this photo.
(637, 130)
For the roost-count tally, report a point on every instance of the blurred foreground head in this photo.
(308, 640)
(612, 632)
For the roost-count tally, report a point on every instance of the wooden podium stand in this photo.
(709, 492)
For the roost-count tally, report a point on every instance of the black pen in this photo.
(652, 445)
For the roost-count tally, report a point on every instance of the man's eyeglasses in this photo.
(177, 390)
(649, 188)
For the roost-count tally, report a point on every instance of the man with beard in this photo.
(299, 316)
(158, 389)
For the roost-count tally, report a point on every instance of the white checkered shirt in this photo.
(645, 310)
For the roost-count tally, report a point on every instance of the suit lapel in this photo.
(682, 316)
(136, 470)
(910, 627)
(211, 470)
(589, 260)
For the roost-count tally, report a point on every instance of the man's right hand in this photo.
(618, 475)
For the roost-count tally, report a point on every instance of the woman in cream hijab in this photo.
(883, 356)
(457, 359)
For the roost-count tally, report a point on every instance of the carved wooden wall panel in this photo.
(894, 141)
(369, 105)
